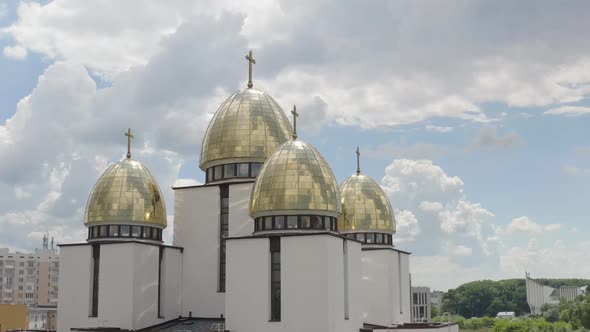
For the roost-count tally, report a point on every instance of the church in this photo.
(270, 242)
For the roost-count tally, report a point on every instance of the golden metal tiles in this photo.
(247, 127)
(126, 193)
(295, 178)
(365, 206)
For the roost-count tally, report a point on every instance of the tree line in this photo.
(487, 297)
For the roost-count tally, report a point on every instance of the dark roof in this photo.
(186, 325)
(175, 325)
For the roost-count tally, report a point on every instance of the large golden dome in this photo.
(247, 127)
(126, 193)
(365, 206)
(296, 179)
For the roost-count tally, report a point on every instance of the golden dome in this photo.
(126, 193)
(365, 206)
(247, 127)
(295, 179)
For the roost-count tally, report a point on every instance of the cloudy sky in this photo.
(473, 115)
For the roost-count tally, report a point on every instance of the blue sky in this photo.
(472, 115)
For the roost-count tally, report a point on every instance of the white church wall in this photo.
(385, 296)
(248, 284)
(312, 285)
(171, 292)
(74, 288)
(240, 223)
(144, 284)
(128, 286)
(406, 288)
(196, 229)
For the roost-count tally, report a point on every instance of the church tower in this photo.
(123, 275)
(243, 132)
(367, 216)
(300, 274)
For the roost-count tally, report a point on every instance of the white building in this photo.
(538, 294)
(421, 305)
(43, 318)
(269, 243)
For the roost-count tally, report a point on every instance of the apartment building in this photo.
(30, 278)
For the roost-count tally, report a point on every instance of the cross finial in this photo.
(358, 160)
(251, 61)
(129, 137)
(295, 116)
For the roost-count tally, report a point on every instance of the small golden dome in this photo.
(295, 179)
(126, 193)
(365, 206)
(247, 127)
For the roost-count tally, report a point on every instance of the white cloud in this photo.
(439, 129)
(573, 170)
(430, 206)
(569, 110)
(15, 52)
(526, 225)
(448, 273)
(487, 138)
(408, 227)
(461, 250)
(409, 78)
(466, 218)
(570, 257)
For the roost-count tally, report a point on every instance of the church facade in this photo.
(270, 242)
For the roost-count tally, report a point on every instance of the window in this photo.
(95, 272)
(345, 267)
(254, 169)
(279, 222)
(291, 221)
(243, 170)
(103, 231)
(223, 232)
(360, 237)
(218, 173)
(316, 222)
(209, 174)
(135, 231)
(370, 237)
(268, 223)
(125, 230)
(229, 171)
(146, 232)
(305, 222)
(275, 278)
(113, 230)
(161, 257)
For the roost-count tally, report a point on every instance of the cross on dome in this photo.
(358, 161)
(251, 61)
(295, 116)
(129, 137)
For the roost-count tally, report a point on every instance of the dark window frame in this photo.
(211, 173)
(153, 233)
(95, 279)
(223, 234)
(320, 223)
(275, 278)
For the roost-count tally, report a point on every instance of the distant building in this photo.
(421, 310)
(436, 298)
(506, 314)
(29, 279)
(13, 317)
(538, 294)
(43, 318)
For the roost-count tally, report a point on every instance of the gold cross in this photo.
(358, 161)
(295, 116)
(129, 137)
(250, 62)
